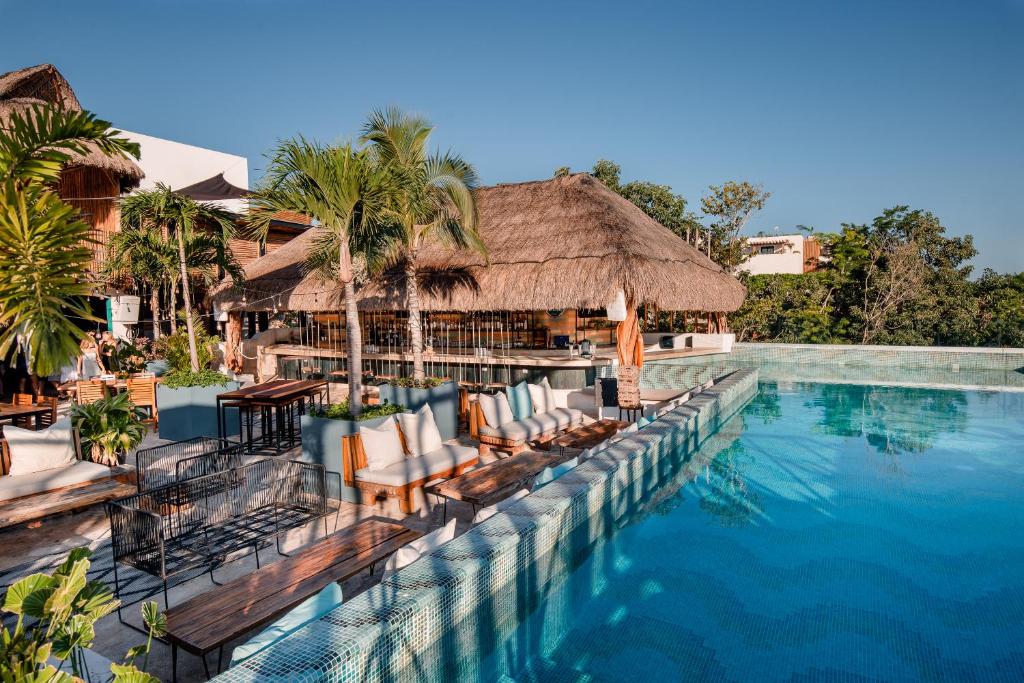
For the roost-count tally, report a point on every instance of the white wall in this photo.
(180, 165)
(791, 260)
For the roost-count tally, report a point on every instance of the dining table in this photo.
(278, 398)
(10, 411)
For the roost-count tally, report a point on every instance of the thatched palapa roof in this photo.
(24, 89)
(568, 242)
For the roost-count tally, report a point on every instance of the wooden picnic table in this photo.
(207, 622)
(277, 396)
(495, 481)
(589, 435)
(9, 411)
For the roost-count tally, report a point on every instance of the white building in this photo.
(181, 166)
(792, 254)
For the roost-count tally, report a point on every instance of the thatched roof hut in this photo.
(564, 243)
(38, 85)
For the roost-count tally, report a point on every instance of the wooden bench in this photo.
(209, 621)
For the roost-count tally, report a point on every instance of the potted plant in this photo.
(109, 427)
(188, 398)
(441, 395)
(322, 429)
(130, 358)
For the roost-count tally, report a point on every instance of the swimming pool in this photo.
(826, 532)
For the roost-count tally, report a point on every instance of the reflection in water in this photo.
(892, 420)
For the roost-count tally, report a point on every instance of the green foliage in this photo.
(730, 207)
(110, 427)
(56, 617)
(175, 347)
(413, 383)
(178, 379)
(130, 358)
(43, 257)
(341, 411)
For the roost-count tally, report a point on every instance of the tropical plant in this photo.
(434, 201)
(348, 195)
(413, 383)
(43, 252)
(110, 427)
(140, 253)
(342, 411)
(175, 349)
(56, 618)
(201, 233)
(130, 358)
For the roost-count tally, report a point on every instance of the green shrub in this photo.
(410, 383)
(110, 427)
(175, 348)
(340, 411)
(178, 379)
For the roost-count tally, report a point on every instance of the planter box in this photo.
(443, 400)
(192, 411)
(321, 445)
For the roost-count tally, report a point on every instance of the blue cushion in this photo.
(310, 610)
(519, 399)
(644, 421)
(549, 474)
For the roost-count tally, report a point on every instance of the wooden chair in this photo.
(90, 392)
(142, 392)
(47, 419)
(23, 400)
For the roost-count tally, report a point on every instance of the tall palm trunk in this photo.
(353, 333)
(172, 305)
(154, 304)
(412, 293)
(193, 354)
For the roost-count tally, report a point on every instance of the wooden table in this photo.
(494, 482)
(206, 622)
(589, 435)
(9, 411)
(277, 395)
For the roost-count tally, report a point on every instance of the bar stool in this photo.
(245, 421)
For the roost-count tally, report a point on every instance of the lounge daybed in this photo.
(399, 456)
(525, 413)
(43, 474)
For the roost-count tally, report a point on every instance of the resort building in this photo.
(793, 254)
(560, 252)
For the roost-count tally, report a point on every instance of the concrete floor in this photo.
(41, 546)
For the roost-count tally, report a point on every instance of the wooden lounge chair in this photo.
(401, 479)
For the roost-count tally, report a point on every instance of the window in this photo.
(767, 249)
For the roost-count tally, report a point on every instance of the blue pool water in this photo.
(826, 532)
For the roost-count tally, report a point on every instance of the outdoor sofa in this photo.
(524, 413)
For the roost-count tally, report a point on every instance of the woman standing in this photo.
(89, 364)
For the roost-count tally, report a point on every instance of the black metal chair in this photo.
(158, 466)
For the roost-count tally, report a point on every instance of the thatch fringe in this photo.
(567, 242)
(24, 89)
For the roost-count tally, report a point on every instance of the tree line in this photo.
(899, 280)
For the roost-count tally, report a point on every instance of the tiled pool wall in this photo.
(926, 366)
(436, 619)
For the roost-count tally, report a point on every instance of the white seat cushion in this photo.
(542, 396)
(424, 545)
(417, 469)
(37, 451)
(79, 472)
(496, 409)
(382, 445)
(536, 426)
(420, 430)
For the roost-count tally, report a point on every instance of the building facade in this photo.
(776, 254)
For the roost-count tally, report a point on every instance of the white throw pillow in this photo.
(421, 433)
(38, 451)
(542, 396)
(501, 506)
(496, 409)
(424, 545)
(382, 444)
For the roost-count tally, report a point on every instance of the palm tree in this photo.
(434, 201)
(201, 234)
(347, 194)
(44, 255)
(140, 253)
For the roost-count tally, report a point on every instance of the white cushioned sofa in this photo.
(400, 456)
(512, 420)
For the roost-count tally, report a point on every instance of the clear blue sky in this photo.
(839, 109)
